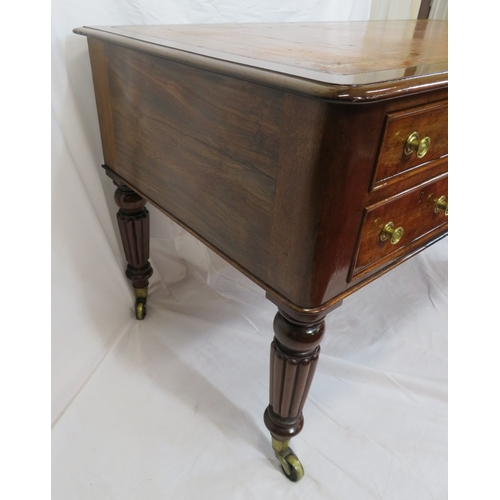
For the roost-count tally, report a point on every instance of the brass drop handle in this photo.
(441, 204)
(414, 143)
(395, 234)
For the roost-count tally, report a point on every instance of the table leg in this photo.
(133, 222)
(294, 356)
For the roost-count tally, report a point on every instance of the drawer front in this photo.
(417, 211)
(396, 157)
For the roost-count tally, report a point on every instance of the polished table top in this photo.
(335, 53)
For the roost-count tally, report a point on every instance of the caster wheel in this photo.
(140, 310)
(141, 295)
(289, 462)
(291, 465)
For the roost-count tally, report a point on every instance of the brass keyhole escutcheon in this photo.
(414, 143)
(389, 231)
(441, 204)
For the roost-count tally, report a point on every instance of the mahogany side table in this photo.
(311, 156)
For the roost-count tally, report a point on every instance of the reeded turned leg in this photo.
(294, 356)
(133, 222)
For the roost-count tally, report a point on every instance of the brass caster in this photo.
(140, 310)
(140, 302)
(289, 462)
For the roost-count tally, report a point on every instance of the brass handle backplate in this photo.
(395, 234)
(414, 143)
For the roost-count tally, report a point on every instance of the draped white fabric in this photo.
(171, 407)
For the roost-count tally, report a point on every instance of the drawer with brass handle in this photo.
(411, 139)
(392, 227)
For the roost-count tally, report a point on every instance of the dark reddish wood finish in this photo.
(294, 356)
(202, 146)
(412, 210)
(429, 120)
(275, 182)
(282, 175)
(99, 64)
(133, 222)
(323, 186)
(343, 62)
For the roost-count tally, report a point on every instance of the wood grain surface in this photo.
(253, 139)
(329, 60)
(429, 120)
(277, 182)
(413, 210)
(202, 146)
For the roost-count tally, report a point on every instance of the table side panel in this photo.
(202, 146)
(98, 62)
(295, 211)
(324, 173)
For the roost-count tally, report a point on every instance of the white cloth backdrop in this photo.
(171, 407)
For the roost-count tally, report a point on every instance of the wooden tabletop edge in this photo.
(349, 93)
